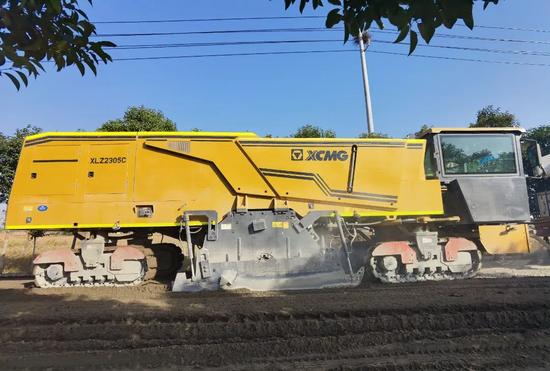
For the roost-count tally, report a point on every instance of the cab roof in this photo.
(470, 130)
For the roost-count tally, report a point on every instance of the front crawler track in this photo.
(419, 268)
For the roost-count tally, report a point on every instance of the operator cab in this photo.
(482, 172)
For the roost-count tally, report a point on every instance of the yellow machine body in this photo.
(100, 180)
(238, 211)
(505, 239)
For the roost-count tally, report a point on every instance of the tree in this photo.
(409, 16)
(32, 31)
(373, 135)
(454, 157)
(423, 129)
(140, 119)
(10, 148)
(491, 117)
(542, 135)
(311, 131)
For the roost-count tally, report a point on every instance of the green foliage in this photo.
(373, 135)
(409, 16)
(10, 148)
(542, 135)
(311, 131)
(493, 117)
(423, 129)
(32, 31)
(140, 119)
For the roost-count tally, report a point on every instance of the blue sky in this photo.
(277, 94)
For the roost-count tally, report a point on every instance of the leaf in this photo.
(303, 5)
(333, 18)
(39, 65)
(469, 21)
(106, 43)
(449, 13)
(335, 2)
(90, 63)
(426, 31)
(23, 78)
(463, 9)
(399, 17)
(486, 3)
(84, 15)
(13, 79)
(80, 67)
(317, 3)
(31, 68)
(404, 32)
(87, 27)
(414, 42)
(55, 5)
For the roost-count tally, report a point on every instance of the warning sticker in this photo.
(283, 225)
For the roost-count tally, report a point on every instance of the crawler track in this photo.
(474, 324)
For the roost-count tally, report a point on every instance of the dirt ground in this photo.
(473, 324)
(16, 250)
(495, 323)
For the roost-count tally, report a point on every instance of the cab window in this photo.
(478, 154)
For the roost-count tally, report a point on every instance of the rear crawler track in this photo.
(122, 266)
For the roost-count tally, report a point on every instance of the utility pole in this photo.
(363, 49)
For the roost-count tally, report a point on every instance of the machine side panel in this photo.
(489, 199)
(383, 177)
(106, 182)
(70, 183)
(225, 155)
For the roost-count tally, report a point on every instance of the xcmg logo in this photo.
(318, 155)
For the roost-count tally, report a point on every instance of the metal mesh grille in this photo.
(181, 146)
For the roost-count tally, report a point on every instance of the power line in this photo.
(464, 59)
(231, 19)
(222, 43)
(275, 42)
(310, 29)
(477, 38)
(327, 51)
(234, 54)
(193, 20)
(512, 28)
(258, 30)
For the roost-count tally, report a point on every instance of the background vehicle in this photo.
(541, 187)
